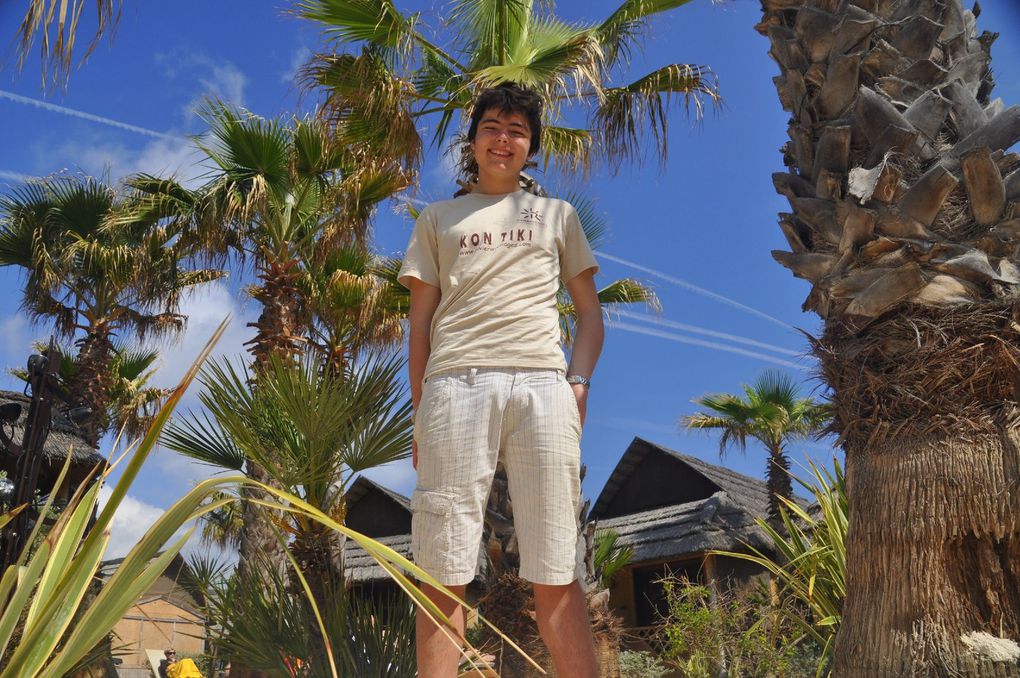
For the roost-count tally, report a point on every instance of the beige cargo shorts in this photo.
(468, 420)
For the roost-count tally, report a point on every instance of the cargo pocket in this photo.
(432, 529)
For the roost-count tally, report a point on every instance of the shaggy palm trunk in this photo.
(779, 484)
(904, 219)
(92, 382)
(259, 544)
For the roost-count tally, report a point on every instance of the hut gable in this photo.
(376, 511)
(649, 477)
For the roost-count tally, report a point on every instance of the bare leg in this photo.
(562, 613)
(438, 656)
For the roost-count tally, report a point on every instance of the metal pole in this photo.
(42, 374)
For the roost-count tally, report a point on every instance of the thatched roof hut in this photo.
(672, 509)
(64, 438)
(380, 513)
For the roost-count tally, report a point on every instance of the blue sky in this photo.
(699, 230)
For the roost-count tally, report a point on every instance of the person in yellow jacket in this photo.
(183, 668)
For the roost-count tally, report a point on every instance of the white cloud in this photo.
(162, 157)
(222, 81)
(297, 60)
(217, 78)
(18, 334)
(205, 307)
(130, 523)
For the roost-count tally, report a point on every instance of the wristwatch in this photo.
(578, 379)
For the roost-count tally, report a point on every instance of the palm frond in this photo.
(43, 17)
(628, 291)
(558, 58)
(376, 22)
(627, 115)
(569, 148)
(619, 33)
(367, 103)
(252, 153)
(203, 440)
(491, 28)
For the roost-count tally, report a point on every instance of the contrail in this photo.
(694, 288)
(672, 324)
(627, 327)
(45, 105)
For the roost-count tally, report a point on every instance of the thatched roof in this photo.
(666, 504)
(695, 527)
(64, 434)
(362, 568)
(362, 486)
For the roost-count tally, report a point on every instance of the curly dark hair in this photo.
(509, 97)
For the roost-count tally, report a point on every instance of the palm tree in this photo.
(295, 204)
(96, 278)
(903, 199)
(132, 402)
(771, 413)
(311, 430)
(404, 81)
(57, 50)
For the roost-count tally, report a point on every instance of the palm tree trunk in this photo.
(779, 484)
(92, 382)
(900, 189)
(920, 595)
(275, 336)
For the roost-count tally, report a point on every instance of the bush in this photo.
(736, 633)
(641, 664)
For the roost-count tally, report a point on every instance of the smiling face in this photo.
(501, 145)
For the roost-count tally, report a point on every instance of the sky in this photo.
(699, 230)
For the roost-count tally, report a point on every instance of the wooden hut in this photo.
(167, 614)
(671, 509)
(64, 438)
(384, 515)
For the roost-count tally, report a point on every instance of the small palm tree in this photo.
(96, 277)
(770, 412)
(311, 430)
(295, 204)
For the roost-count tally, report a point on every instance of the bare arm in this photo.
(424, 301)
(589, 335)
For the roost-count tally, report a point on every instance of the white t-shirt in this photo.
(498, 260)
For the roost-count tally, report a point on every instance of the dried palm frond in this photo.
(57, 51)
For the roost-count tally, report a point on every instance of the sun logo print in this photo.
(531, 215)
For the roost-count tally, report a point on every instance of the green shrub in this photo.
(641, 664)
(709, 633)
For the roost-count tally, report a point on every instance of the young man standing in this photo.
(489, 382)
